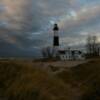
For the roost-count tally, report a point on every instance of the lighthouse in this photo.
(55, 40)
(56, 36)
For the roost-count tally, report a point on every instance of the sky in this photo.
(26, 25)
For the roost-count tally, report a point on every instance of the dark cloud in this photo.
(27, 24)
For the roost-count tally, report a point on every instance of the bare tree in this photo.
(92, 46)
(44, 54)
(47, 52)
(88, 45)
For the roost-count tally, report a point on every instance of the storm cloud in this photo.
(26, 25)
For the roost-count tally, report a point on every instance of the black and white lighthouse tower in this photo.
(56, 36)
(55, 40)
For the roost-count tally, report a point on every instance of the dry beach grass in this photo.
(21, 80)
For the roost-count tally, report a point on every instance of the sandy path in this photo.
(64, 64)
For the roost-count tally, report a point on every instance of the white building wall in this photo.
(68, 56)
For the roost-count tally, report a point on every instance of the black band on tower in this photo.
(56, 41)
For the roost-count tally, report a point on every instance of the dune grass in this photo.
(23, 81)
(85, 77)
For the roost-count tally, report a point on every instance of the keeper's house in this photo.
(71, 55)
